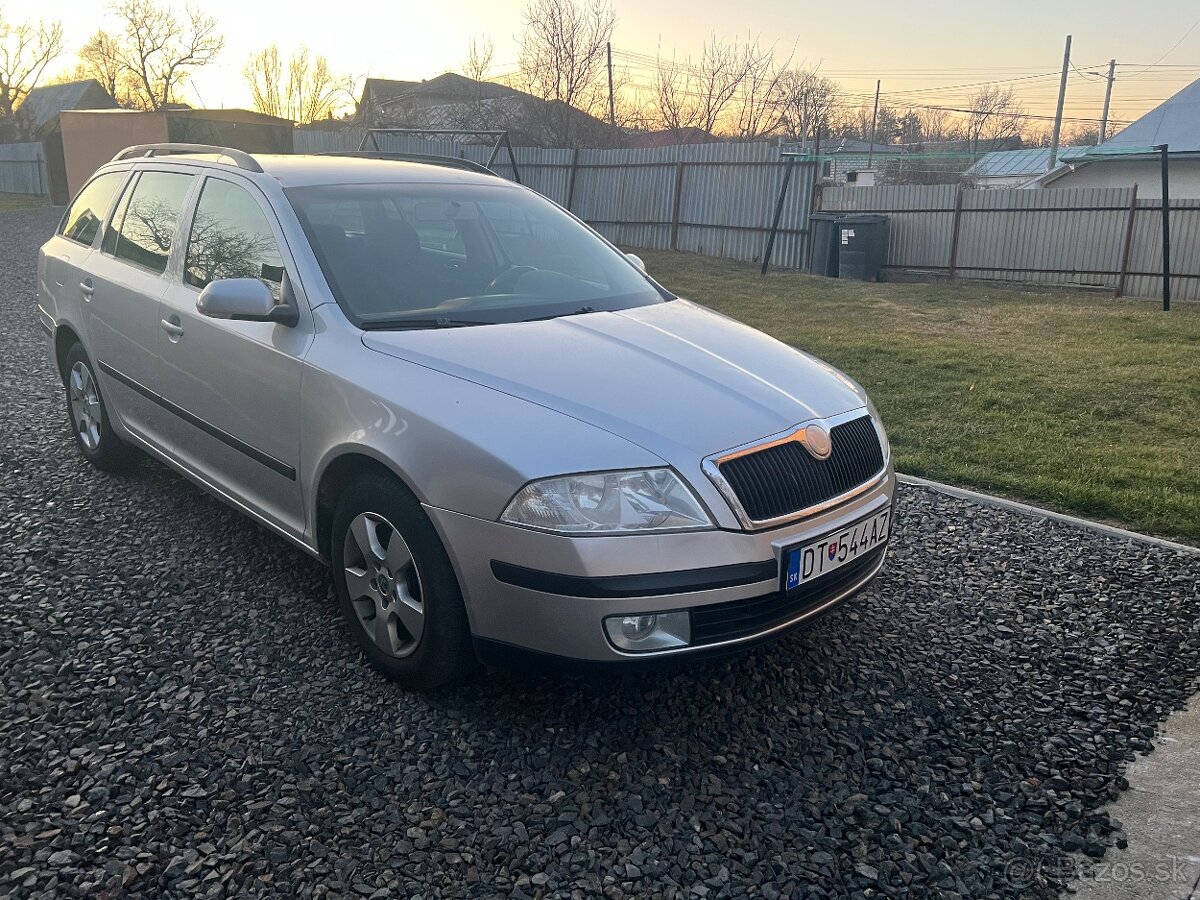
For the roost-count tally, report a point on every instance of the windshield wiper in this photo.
(583, 310)
(403, 324)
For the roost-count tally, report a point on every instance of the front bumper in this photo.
(550, 594)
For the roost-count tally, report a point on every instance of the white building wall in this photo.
(1184, 175)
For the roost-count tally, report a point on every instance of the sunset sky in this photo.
(926, 51)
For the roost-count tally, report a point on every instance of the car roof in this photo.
(298, 170)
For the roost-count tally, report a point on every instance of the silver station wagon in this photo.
(506, 439)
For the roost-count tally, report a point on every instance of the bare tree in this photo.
(100, 58)
(996, 113)
(939, 125)
(810, 102)
(156, 49)
(26, 49)
(562, 60)
(301, 89)
(1082, 136)
(761, 93)
(701, 95)
(479, 59)
(857, 123)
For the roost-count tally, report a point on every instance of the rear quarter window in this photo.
(86, 214)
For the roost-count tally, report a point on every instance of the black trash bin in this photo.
(862, 246)
(824, 257)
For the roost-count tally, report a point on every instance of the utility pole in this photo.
(612, 103)
(1112, 74)
(874, 119)
(1062, 96)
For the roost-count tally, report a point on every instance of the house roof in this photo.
(43, 104)
(449, 87)
(1030, 161)
(1175, 122)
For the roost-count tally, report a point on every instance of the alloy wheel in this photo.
(86, 412)
(384, 584)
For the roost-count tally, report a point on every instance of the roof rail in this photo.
(240, 158)
(451, 162)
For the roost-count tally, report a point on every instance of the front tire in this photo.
(89, 417)
(396, 587)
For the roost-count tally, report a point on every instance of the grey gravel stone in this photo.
(183, 713)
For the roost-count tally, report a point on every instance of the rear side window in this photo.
(231, 238)
(86, 214)
(150, 219)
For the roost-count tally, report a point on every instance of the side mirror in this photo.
(247, 300)
(636, 260)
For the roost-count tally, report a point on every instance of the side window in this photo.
(231, 238)
(86, 214)
(151, 218)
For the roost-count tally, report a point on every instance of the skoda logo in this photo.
(816, 439)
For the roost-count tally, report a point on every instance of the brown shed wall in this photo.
(90, 139)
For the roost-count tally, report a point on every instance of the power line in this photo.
(1182, 38)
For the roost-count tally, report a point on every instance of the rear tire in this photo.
(396, 587)
(89, 416)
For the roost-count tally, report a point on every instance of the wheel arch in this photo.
(342, 468)
(65, 337)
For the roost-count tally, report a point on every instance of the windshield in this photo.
(443, 255)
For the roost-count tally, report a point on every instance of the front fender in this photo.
(458, 445)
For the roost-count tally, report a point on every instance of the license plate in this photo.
(810, 561)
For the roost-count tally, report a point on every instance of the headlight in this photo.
(608, 503)
(883, 438)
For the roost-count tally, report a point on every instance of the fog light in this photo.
(646, 633)
(637, 628)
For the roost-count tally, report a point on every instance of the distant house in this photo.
(37, 119)
(1016, 168)
(38, 114)
(932, 162)
(1130, 157)
(843, 158)
(454, 102)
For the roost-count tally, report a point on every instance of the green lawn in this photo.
(1075, 402)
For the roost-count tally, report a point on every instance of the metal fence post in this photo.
(787, 177)
(675, 205)
(571, 178)
(1127, 248)
(41, 186)
(1166, 231)
(954, 229)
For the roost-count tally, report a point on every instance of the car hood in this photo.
(675, 378)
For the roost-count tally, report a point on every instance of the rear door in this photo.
(128, 277)
(64, 273)
(235, 386)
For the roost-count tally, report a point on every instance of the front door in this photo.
(234, 386)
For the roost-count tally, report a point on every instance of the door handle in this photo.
(88, 288)
(173, 329)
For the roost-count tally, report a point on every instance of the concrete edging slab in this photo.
(1038, 512)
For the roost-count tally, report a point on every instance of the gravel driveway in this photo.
(182, 712)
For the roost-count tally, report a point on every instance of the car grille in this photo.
(785, 478)
(743, 618)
